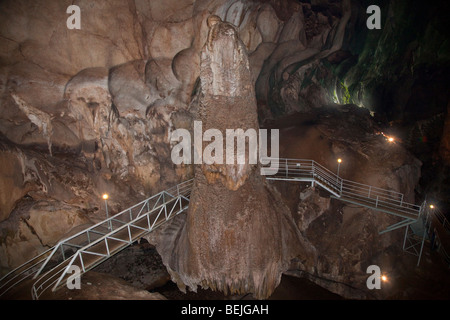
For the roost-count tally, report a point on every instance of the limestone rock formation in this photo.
(88, 111)
(346, 236)
(232, 213)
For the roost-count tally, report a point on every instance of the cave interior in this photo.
(91, 94)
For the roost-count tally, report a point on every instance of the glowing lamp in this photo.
(339, 165)
(390, 139)
(384, 278)
(105, 197)
(431, 206)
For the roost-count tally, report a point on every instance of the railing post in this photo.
(62, 252)
(165, 209)
(34, 293)
(406, 235)
(149, 225)
(107, 247)
(421, 209)
(83, 267)
(370, 190)
(421, 246)
(376, 203)
(286, 166)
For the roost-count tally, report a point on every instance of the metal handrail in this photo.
(108, 222)
(375, 192)
(443, 220)
(41, 257)
(441, 250)
(38, 288)
(38, 285)
(288, 169)
(375, 189)
(310, 170)
(37, 264)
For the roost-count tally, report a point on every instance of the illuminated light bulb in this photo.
(384, 278)
(105, 196)
(390, 139)
(339, 160)
(431, 206)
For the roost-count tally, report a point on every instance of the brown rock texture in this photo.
(88, 111)
(232, 213)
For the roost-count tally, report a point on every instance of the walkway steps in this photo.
(403, 212)
(103, 248)
(90, 247)
(375, 198)
(93, 245)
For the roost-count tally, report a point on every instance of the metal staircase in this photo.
(90, 247)
(388, 201)
(422, 222)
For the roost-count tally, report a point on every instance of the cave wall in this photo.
(402, 75)
(88, 111)
(105, 97)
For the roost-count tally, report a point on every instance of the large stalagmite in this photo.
(238, 236)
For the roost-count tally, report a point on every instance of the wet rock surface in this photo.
(84, 112)
(344, 235)
(232, 213)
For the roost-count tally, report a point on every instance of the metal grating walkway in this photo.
(90, 247)
(388, 201)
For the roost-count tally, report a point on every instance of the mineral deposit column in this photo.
(238, 237)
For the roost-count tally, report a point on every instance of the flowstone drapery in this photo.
(238, 237)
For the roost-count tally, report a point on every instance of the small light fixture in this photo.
(383, 278)
(105, 197)
(391, 139)
(339, 165)
(431, 206)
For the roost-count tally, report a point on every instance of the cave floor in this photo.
(137, 273)
(429, 281)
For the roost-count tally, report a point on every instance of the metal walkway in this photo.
(88, 248)
(433, 227)
(383, 200)
(422, 222)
